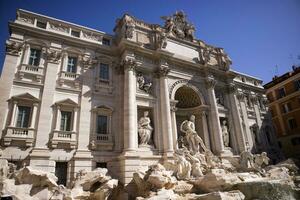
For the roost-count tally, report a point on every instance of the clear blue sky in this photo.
(257, 34)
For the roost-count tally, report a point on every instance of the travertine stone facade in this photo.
(71, 97)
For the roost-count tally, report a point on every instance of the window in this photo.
(72, 62)
(23, 116)
(295, 141)
(297, 85)
(75, 33)
(34, 58)
(101, 165)
(104, 71)
(286, 107)
(292, 123)
(41, 24)
(106, 41)
(281, 93)
(102, 124)
(65, 122)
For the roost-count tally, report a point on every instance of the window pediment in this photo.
(26, 96)
(103, 109)
(67, 102)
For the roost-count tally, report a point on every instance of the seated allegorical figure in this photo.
(193, 139)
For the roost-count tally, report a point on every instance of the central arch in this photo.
(189, 101)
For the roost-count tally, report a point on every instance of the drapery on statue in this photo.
(225, 133)
(193, 139)
(144, 129)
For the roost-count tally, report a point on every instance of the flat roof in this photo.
(59, 20)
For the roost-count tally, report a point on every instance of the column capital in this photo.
(15, 102)
(35, 104)
(14, 48)
(53, 56)
(203, 113)
(240, 94)
(232, 88)
(173, 106)
(211, 82)
(253, 98)
(27, 46)
(129, 64)
(163, 71)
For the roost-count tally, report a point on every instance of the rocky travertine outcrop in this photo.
(222, 178)
(190, 176)
(31, 184)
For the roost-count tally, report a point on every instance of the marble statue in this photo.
(93, 145)
(178, 26)
(196, 165)
(246, 160)
(144, 129)
(129, 27)
(225, 134)
(184, 167)
(261, 160)
(142, 84)
(193, 139)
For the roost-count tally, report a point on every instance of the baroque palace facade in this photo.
(75, 98)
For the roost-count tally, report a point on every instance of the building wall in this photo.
(285, 108)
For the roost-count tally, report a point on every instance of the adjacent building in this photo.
(283, 93)
(74, 98)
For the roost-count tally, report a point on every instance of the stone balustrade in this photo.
(19, 134)
(64, 137)
(69, 75)
(31, 72)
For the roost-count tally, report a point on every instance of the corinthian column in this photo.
(237, 120)
(165, 109)
(130, 107)
(242, 97)
(217, 144)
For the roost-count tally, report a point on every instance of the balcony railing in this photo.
(64, 137)
(102, 142)
(19, 134)
(30, 69)
(103, 137)
(69, 75)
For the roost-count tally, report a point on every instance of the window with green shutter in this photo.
(23, 116)
(65, 122)
(102, 124)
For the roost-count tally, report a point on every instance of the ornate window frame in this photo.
(104, 86)
(61, 136)
(102, 141)
(26, 134)
(32, 72)
(66, 78)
